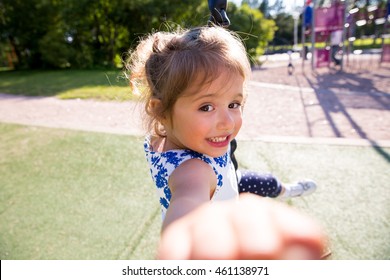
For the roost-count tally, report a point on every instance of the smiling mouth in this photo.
(218, 139)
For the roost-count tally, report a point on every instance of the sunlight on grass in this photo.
(75, 195)
(104, 93)
(68, 84)
(346, 204)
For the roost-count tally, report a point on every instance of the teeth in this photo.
(217, 139)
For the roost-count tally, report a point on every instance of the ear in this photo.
(155, 108)
(154, 105)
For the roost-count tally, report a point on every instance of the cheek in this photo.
(238, 126)
(197, 125)
(183, 122)
(239, 120)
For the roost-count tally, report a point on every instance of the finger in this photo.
(301, 234)
(175, 242)
(212, 234)
(281, 231)
(257, 237)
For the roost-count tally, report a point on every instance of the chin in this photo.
(216, 154)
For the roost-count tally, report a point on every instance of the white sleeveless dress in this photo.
(162, 164)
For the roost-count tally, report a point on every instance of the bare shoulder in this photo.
(192, 185)
(193, 175)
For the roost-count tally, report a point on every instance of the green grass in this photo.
(370, 43)
(366, 43)
(83, 84)
(352, 202)
(75, 195)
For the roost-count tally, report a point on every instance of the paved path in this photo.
(89, 115)
(326, 106)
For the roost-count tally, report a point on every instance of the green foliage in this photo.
(256, 30)
(90, 34)
(285, 32)
(23, 24)
(55, 51)
(264, 7)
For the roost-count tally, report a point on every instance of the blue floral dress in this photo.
(163, 164)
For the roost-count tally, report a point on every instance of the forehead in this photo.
(220, 81)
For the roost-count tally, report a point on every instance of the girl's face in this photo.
(206, 118)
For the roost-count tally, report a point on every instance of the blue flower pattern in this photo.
(163, 164)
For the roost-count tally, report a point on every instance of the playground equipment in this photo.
(334, 26)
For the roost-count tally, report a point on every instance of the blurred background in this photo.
(83, 34)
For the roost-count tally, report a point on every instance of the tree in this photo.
(271, 10)
(85, 34)
(265, 8)
(23, 24)
(278, 7)
(284, 34)
(254, 4)
(256, 30)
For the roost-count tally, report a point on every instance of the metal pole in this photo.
(344, 35)
(296, 18)
(313, 34)
(303, 35)
(295, 32)
(387, 17)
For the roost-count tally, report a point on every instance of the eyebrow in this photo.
(210, 95)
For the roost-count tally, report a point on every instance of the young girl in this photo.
(193, 83)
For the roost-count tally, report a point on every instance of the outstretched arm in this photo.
(253, 228)
(191, 184)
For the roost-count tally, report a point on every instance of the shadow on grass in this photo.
(78, 195)
(54, 82)
(351, 202)
(332, 103)
(75, 195)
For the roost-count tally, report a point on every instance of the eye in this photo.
(235, 105)
(206, 108)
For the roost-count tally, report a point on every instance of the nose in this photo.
(226, 120)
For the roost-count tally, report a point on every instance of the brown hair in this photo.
(165, 64)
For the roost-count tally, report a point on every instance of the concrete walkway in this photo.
(324, 106)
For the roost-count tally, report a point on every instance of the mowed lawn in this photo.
(79, 195)
(74, 195)
(65, 84)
